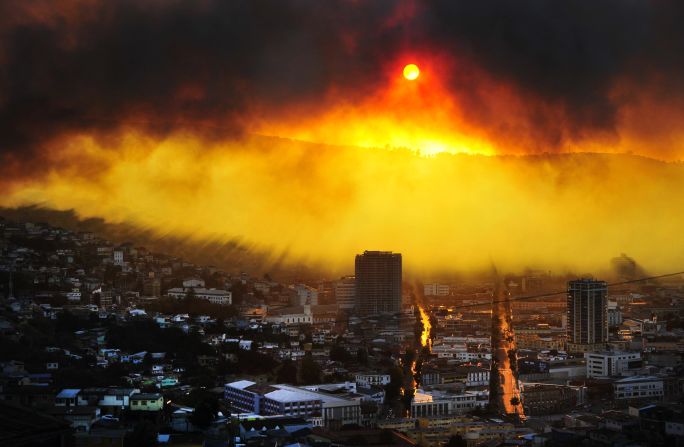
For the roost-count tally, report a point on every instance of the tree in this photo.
(310, 372)
(205, 412)
(144, 434)
(456, 441)
(362, 356)
(339, 354)
(239, 291)
(392, 389)
(287, 372)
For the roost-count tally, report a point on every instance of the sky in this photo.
(538, 134)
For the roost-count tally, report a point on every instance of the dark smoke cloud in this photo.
(569, 54)
(99, 66)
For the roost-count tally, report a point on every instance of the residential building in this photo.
(378, 282)
(436, 289)
(614, 314)
(110, 400)
(118, 257)
(81, 418)
(68, 397)
(345, 293)
(146, 402)
(587, 315)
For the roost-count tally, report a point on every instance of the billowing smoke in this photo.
(569, 74)
(165, 115)
(626, 268)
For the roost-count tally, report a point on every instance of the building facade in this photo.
(146, 402)
(345, 293)
(378, 282)
(587, 315)
(289, 400)
(372, 379)
(436, 289)
(639, 387)
(607, 364)
(214, 296)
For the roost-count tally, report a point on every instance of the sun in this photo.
(411, 72)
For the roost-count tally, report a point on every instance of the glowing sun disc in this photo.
(411, 72)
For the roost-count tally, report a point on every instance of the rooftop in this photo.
(146, 396)
(68, 393)
(639, 379)
(241, 384)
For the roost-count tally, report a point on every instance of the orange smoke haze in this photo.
(322, 204)
(290, 127)
(481, 115)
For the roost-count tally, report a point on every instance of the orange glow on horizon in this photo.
(422, 116)
(330, 202)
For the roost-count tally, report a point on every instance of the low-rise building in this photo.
(81, 418)
(438, 403)
(289, 400)
(372, 379)
(546, 398)
(468, 375)
(638, 387)
(146, 402)
(68, 397)
(110, 400)
(295, 315)
(214, 296)
(609, 364)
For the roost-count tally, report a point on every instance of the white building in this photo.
(305, 295)
(638, 387)
(674, 428)
(215, 296)
(291, 316)
(614, 314)
(435, 289)
(477, 377)
(108, 399)
(607, 364)
(193, 282)
(289, 400)
(345, 293)
(438, 403)
(118, 257)
(472, 356)
(368, 380)
(74, 295)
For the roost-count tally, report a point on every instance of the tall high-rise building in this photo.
(378, 282)
(345, 293)
(587, 315)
